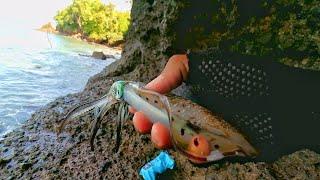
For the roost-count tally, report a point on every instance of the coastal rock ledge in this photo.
(34, 151)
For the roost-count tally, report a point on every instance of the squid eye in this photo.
(118, 93)
(182, 132)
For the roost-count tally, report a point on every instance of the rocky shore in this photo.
(34, 151)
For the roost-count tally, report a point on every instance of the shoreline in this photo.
(81, 38)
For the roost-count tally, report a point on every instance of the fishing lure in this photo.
(203, 144)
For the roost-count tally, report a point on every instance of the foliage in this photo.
(47, 28)
(93, 20)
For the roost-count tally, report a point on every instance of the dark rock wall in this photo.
(287, 31)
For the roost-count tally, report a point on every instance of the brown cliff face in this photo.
(34, 150)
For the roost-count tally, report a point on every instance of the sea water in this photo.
(36, 68)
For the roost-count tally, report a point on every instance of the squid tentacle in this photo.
(100, 112)
(123, 114)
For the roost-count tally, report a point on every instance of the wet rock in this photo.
(101, 55)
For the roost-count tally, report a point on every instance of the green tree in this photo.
(94, 20)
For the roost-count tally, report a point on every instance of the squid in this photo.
(197, 133)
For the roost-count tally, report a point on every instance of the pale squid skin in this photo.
(224, 140)
(192, 119)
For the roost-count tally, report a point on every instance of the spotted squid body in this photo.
(195, 132)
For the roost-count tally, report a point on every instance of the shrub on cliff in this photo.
(94, 20)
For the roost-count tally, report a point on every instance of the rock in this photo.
(299, 165)
(101, 55)
(77, 36)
